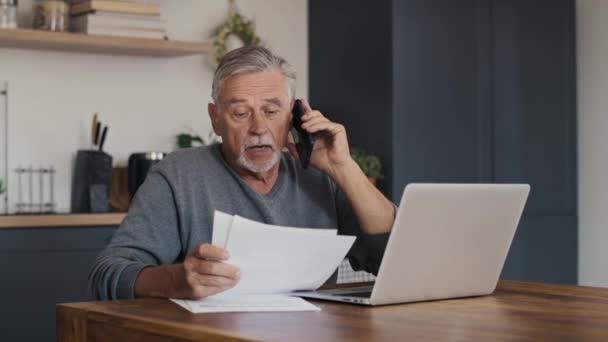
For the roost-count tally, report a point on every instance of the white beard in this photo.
(243, 162)
(246, 164)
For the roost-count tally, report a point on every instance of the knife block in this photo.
(91, 182)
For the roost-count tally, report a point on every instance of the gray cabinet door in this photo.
(534, 124)
(441, 81)
(40, 268)
(543, 250)
(534, 101)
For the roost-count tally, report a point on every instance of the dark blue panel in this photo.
(480, 91)
(350, 71)
(40, 268)
(544, 249)
(440, 98)
(534, 97)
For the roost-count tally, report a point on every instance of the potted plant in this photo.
(369, 164)
(186, 140)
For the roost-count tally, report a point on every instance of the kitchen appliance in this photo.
(139, 164)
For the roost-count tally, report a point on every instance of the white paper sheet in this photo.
(246, 303)
(274, 260)
(222, 223)
(282, 260)
(221, 228)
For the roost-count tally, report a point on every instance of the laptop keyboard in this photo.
(366, 294)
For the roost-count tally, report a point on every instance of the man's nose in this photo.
(258, 123)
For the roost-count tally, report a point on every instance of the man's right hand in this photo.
(203, 273)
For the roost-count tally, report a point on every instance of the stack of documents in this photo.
(274, 261)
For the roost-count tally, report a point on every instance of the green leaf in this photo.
(236, 25)
(185, 140)
(369, 163)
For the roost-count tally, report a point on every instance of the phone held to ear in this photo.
(304, 141)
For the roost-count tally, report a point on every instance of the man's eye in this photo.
(240, 115)
(272, 112)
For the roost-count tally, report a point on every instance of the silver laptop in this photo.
(447, 241)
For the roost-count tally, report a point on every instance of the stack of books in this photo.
(126, 18)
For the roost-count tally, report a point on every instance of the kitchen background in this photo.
(424, 74)
(145, 101)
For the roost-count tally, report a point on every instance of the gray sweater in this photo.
(172, 213)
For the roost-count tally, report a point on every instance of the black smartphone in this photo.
(304, 141)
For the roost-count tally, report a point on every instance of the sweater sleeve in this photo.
(148, 236)
(367, 251)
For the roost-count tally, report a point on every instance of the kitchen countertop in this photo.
(61, 220)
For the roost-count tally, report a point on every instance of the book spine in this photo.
(106, 5)
(92, 19)
(122, 15)
(122, 33)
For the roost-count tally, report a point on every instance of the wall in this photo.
(145, 101)
(592, 152)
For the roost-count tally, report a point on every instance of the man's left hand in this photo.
(330, 151)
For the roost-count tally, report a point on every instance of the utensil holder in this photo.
(91, 182)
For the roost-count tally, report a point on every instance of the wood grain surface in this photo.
(516, 311)
(61, 220)
(77, 42)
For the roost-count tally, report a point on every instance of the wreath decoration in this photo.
(236, 24)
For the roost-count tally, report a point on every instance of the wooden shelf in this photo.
(78, 42)
(61, 220)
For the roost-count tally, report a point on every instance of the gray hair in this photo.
(249, 59)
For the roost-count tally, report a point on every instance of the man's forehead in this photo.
(269, 84)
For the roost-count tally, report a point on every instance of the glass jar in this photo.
(51, 15)
(8, 13)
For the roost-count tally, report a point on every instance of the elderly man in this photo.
(163, 249)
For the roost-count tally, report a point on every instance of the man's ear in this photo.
(291, 103)
(214, 116)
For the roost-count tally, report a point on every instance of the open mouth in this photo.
(260, 148)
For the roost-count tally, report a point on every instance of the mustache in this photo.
(259, 140)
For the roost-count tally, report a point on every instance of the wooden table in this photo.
(516, 311)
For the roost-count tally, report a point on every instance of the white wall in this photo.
(146, 101)
(592, 64)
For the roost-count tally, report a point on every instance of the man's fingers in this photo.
(306, 106)
(311, 115)
(208, 251)
(214, 281)
(314, 121)
(205, 278)
(215, 268)
(330, 127)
